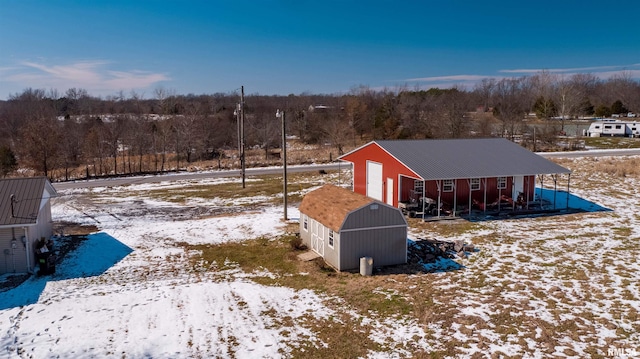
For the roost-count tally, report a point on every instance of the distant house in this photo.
(25, 217)
(343, 226)
(461, 173)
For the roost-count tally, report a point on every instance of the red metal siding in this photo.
(391, 168)
(491, 184)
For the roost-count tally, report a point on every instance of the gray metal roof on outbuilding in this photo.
(468, 158)
(27, 196)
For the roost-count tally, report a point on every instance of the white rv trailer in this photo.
(614, 128)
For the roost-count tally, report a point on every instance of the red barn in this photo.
(449, 176)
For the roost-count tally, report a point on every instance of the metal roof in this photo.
(468, 158)
(28, 194)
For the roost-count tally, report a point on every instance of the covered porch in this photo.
(436, 199)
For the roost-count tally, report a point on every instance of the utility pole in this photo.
(236, 113)
(242, 145)
(284, 161)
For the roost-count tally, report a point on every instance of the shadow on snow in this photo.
(94, 256)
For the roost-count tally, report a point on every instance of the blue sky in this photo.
(283, 47)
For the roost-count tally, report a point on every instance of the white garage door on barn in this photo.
(374, 180)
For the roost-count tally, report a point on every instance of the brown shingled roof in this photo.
(330, 205)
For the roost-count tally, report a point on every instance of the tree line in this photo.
(75, 135)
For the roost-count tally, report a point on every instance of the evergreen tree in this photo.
(8, 161)
(617, 107)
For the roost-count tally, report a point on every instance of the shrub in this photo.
(296, 243)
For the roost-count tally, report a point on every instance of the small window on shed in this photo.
(502, 182)
(418, 186)
(447, 185)
(331, 238)
(305, 223)
(373, 206)
(475, 184)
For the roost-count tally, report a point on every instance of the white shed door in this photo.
(390, 191)
(317, 238)
(374, 180)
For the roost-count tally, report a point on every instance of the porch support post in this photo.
(541, 188)
(568, 182)
(484, 210)
(424, 197)
(555, 189)
(528, 191)
(455, 196)
(469, 184)
(439, 196)
(513, 203)
(500, 196)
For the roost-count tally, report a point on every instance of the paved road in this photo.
(291, 169)
(591, 153)
(120, 181)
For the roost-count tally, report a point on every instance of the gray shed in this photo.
(343, 226)
(25, 217)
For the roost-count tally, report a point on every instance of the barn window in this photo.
(305, 223)
(475, 184)
(447, 185)
(502, 182)
(331, 238)
(418, 186)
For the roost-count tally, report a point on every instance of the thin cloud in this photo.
(598, 69)
(134, 79)
(468, 81)
(459, 81)
(634, 74)
(448, 78)
(90, 75)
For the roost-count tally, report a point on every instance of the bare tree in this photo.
(338, 132)
(456, 106)
(484, 91)
(627, 90)
(40, 144)
(71, 145)
(510, 104)
(569, 96)
(95, 145)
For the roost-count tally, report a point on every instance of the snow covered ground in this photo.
(555, 286)
(129, 292)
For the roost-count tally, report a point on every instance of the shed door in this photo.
(317, 238)
(374, 180)
(390, 191)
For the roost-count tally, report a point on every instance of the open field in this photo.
(207, 269)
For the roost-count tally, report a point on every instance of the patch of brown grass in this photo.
(626, 166)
